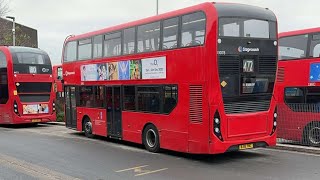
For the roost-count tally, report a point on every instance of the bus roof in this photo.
(224, 9)
(243, 10)
(20, 49)
(299, 32)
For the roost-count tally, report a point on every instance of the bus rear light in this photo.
(53, 106)
(216, 126)
(15, 108)
(274, 124)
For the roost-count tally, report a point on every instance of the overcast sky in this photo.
(56, 19)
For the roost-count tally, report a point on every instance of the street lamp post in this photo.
(13, 29)
(157, 7)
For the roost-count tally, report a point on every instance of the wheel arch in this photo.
(85, 117)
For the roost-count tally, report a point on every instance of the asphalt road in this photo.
(54, 152)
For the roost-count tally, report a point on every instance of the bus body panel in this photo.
(190, 69)
(13, 111)
(296, 73)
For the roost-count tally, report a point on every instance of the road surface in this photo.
(54, 152)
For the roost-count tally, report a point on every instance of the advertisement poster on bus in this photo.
(154, 68)
(89, 72)
(35, 108)
(314, 72)
(124, 71)
(113, 71)
(102, 72)
(135, 69)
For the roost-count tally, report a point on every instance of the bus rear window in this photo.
(247, 28)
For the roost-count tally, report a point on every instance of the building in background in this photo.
(25, 36)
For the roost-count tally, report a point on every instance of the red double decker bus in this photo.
(195, 80)
(26, 94)
(58, 84)
(299, 86)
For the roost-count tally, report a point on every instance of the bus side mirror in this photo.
(62, 81)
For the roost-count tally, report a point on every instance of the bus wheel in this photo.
(311, 135)
(151, 138)
(87, 128)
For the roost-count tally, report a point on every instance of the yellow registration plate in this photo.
(36, 120)
(245, 146)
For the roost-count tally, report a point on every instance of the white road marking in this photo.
(133, 168)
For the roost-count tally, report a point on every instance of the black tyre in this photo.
(151, 138)
(311, 134)
(87, 128)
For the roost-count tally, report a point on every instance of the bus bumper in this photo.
(219, 147)
(34, 119)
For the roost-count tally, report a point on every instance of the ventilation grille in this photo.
(246, 106)
(267, 64)
(229, 65)
(280, 76)
(196, 99)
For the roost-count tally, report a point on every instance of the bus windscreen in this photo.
(31, 58)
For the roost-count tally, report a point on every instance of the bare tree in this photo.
(4, 8)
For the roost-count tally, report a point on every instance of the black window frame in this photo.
(104, 41)
(65, 60)
(102, 46)
(137, 37)
(307, 50)
(178, 33)
(121, 31)
(79, 45)
(161, 92)
(135, 40)
(181, 29)
(4, 86)
(271, 24)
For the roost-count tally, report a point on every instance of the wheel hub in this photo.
(314, 135)
(151, 138)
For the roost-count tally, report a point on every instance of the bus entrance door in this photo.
(71, 114)
(114, 123)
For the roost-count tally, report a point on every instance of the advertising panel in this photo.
(35, 108)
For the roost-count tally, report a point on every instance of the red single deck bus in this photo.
(195, 80)
(26, 94)
(299, 86)
(58, 85)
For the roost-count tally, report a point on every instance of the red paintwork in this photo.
(7, 115)
(291, 124)
(185, 67)
(57, 83)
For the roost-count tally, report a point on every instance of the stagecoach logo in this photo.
(69, 73)
(45, 70)
(248, 65)
(245, 49)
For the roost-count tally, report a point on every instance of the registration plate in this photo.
(36, 120)
(245, 146)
